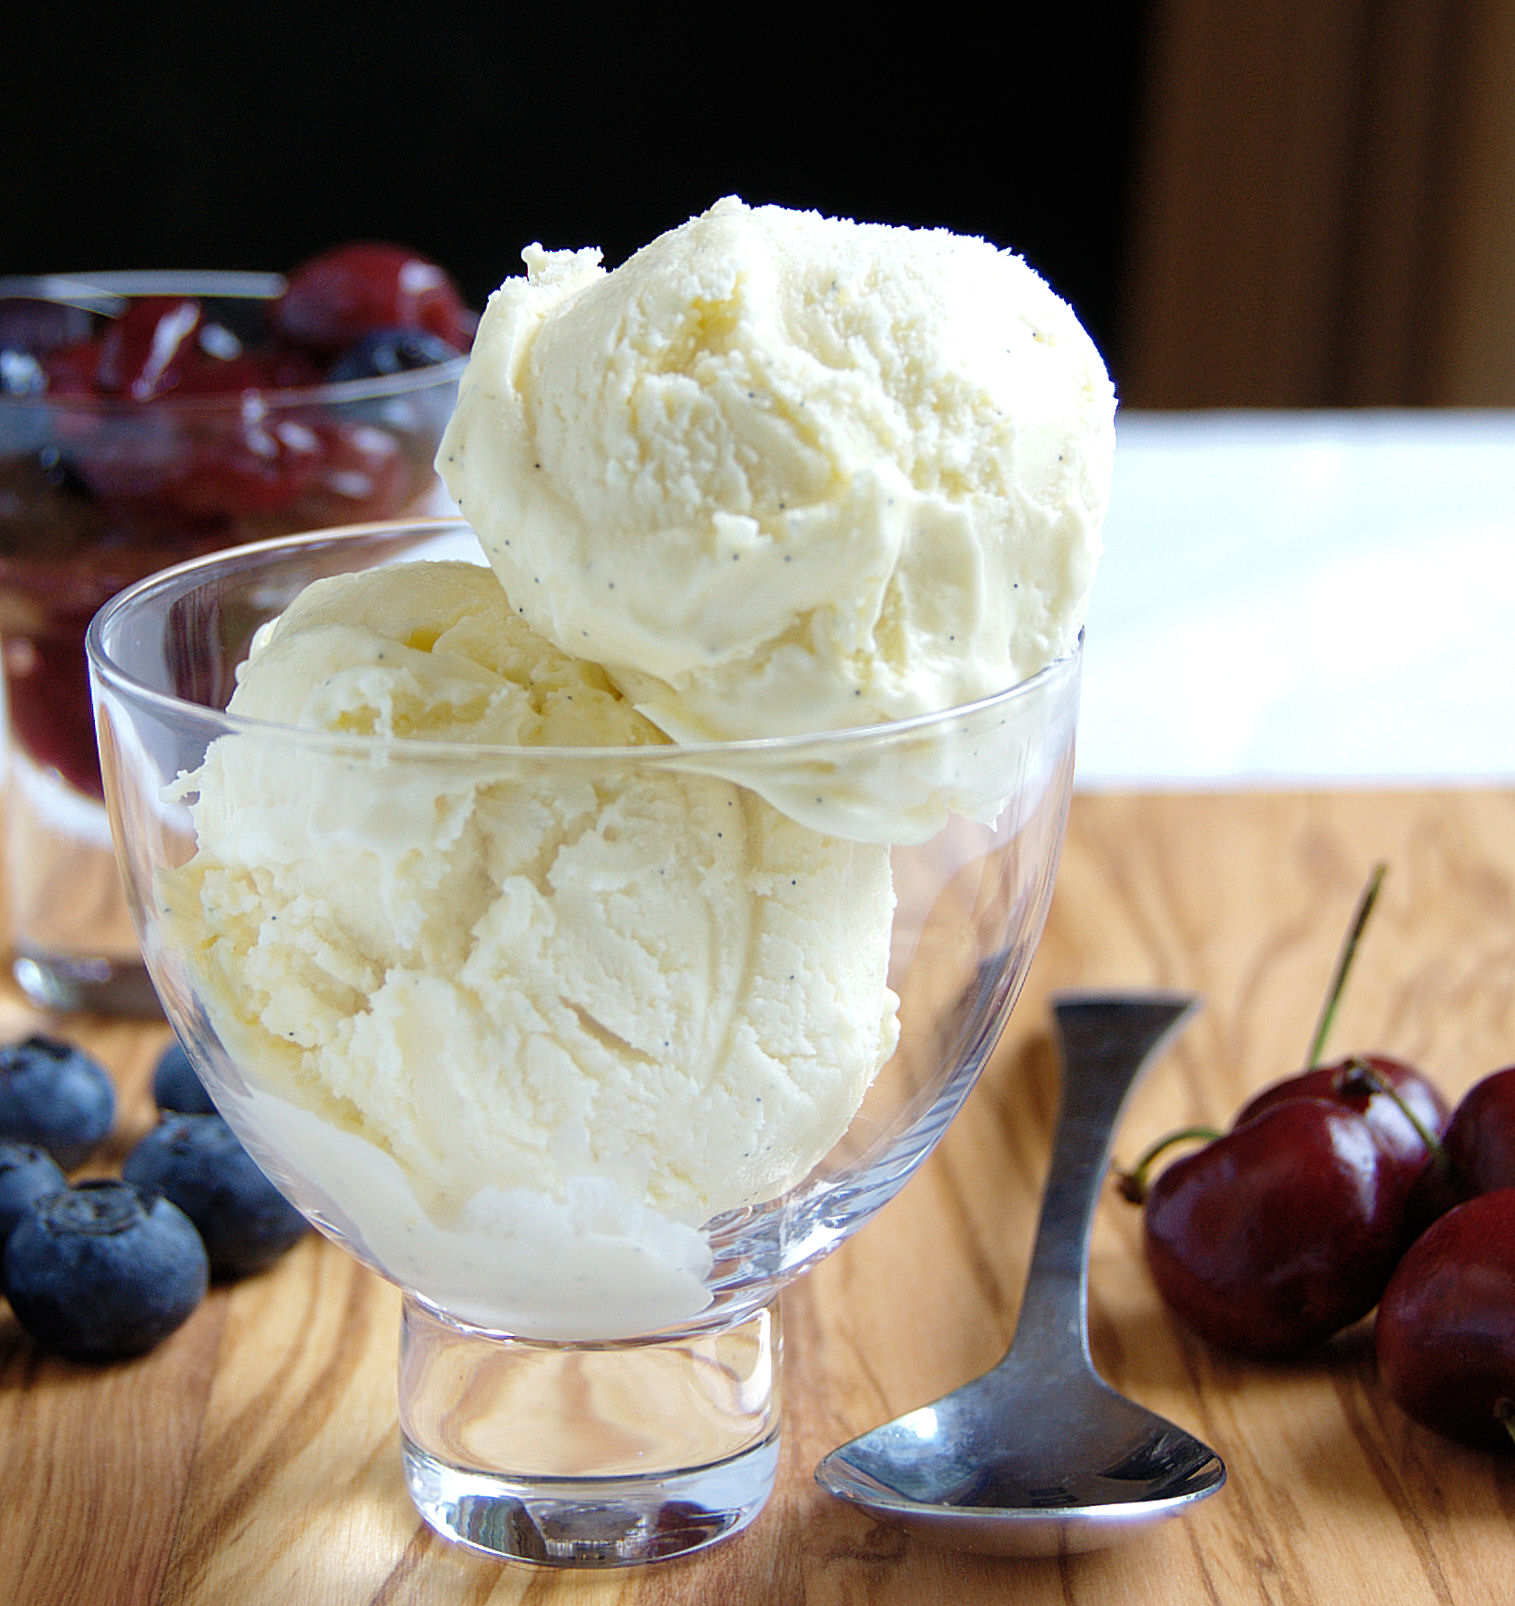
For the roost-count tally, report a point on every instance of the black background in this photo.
(196, 137)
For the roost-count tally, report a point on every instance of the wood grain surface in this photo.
(254, 1456)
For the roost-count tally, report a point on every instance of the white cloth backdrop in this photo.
(1290, 598)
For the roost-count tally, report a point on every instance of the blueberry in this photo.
(103, 1270)
(390, 351)
(55, 1096)
(177, 1085)
(198, 1162)
(27, 1174)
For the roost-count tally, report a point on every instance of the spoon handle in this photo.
(1106, 1043)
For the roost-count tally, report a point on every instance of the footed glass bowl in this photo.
(588, 1049)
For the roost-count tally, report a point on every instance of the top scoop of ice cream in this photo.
(782, 473)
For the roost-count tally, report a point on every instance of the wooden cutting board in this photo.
(254, 1457)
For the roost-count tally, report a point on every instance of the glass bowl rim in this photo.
(98, 291)
(817, 745)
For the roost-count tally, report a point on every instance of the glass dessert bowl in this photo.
(146, 418)
(590, 1049)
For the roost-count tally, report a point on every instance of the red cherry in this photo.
(284, 368)
(1445, 1330)
(1478, 1149)
(48, 687)
(1480, 1138)
(54, 593)
(144, 352)
(1401, 1105)
(365, 474)
(1278, 1233)
(217, 376)
(310, 470)
(334, 298)
(273, 369)
(245, 464)
(71, 369)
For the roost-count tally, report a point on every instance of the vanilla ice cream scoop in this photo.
(518, 976)
(780, 473)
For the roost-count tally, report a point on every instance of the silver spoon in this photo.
(1040, 1456)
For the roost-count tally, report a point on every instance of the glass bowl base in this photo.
(596, 1454)
(591, 1522)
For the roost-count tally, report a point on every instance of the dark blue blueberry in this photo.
(177, 1085)
(103, 1270)
(198, 1162)
(55, 1096)
(390, 351)
(27, 1174)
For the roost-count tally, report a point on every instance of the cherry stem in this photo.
(1344, 963)
(1380, 1083)
(1133, 1184)
(1504, 1415)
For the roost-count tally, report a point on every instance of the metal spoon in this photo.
(1040, 1456)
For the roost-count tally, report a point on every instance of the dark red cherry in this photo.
(364, 474)
(335, 298)
(1478, 1151)
(272, 369)
(143, 353)
(1277, 1234)
(1406, 1111)
(257, 463)
(49, 702)
(71, 369)
(1445, 1329)
(271, 461)
(1480, 1138)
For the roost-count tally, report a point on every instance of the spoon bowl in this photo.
(1040, 1456)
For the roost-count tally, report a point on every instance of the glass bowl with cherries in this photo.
(147, 418)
